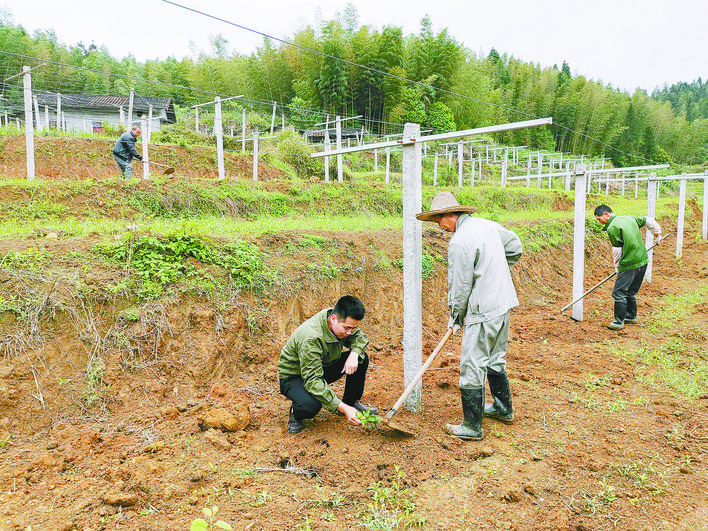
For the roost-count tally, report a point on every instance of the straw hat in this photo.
(444, 203)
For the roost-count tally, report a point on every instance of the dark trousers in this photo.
(626, 287)
(306, 406)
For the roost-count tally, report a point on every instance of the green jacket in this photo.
(311, 347)
(623, 232)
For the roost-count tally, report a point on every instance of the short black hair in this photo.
(600, 210)
(349, 306)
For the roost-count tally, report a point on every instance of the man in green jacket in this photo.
(630, 257)
(320, 351)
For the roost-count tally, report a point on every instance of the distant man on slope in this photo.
(481, 295)
(320, 351)
(630, 258)
(124, 151)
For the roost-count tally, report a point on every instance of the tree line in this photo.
(388, 78)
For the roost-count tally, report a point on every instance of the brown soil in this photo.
(593, 445)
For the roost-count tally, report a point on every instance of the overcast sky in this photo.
(625, 43)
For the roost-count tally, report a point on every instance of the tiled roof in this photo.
(85, 101)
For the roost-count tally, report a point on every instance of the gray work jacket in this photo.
(479, 282)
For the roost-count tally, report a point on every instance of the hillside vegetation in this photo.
(428, 78)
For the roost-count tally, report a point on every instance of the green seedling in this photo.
(368, 419)
(202, 525)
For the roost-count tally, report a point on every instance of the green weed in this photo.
(391, 507)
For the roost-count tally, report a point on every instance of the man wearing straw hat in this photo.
(481, 295)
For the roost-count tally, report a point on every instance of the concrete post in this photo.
(130, 109)
(196, 119)
(59, 111)
(651, 212)
(29, 128)
(681, 217)
(460, 158)
(412, 264)
(327, 143)
(46, 117)
(505, 166)
(148, 133)
(272, 118)
(435, 171)
(255, 155)
(540, 169)
(474, 164)
(579, 241)
(388, 164)
(340, 160)
(376, 160)
(219, 131)
(705, 205)
(146, 157)
(37, 123)
(243, 130)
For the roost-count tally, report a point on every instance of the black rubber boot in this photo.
(294, 425)
(620, 314)
(501, 409)
(631, 316)
(473, 409)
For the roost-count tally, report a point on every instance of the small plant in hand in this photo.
(368, 419)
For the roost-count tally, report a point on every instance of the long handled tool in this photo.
(168, 170)
(391, 412)
(608, 277)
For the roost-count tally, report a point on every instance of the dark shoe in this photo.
(473, 409)
(501, 409)
(361, 407)
(294, 425)
(616, 325)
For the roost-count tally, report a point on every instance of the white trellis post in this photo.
(376, 160)
(38, 124)
(540, 169)
(340, 160)
(327, 143)
(148, 133)
(435, 170)
(146, 165)
(651, 212)
(681, 216)
(59, 111)
(388, 164)
(255, 155)
(46, 117)
(29, 129)
(196, 119)
(705, 205)
(460, 159)
(528, 173)
(505, 167)
(412, 263)
(272, 118)
(579, 241)
(243, 130)
(219, 131)
(130, 109)
(121, 114)
(474, 164)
